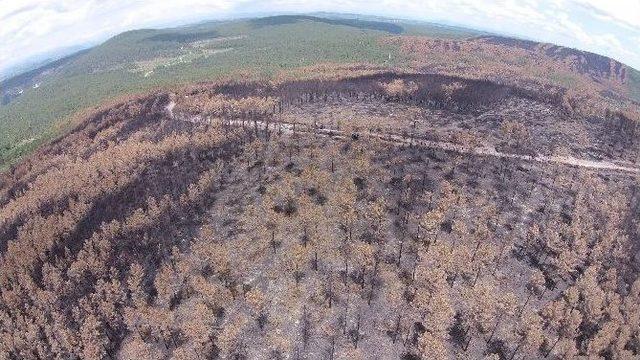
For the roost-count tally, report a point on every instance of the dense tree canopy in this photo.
(323, 218)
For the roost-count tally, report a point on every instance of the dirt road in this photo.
(480, 151)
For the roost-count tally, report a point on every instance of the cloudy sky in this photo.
(609, 27)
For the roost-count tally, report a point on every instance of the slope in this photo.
(143, 59)
(252, 220)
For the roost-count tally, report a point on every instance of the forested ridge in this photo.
(268, 220)
(39, 105)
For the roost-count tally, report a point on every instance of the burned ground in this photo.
(250, 220)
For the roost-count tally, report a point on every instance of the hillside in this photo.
(598, 67)
(39, 105)
(337, 212)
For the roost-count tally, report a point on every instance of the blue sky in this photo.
(608, 27)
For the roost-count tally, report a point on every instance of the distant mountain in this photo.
(16, 85)
(41, 60)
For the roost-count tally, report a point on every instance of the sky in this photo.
(30, 28)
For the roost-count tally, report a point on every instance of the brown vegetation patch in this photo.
(588, 83)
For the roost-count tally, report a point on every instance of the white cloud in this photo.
(611, 27)
(571, 29)
(622, 11)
